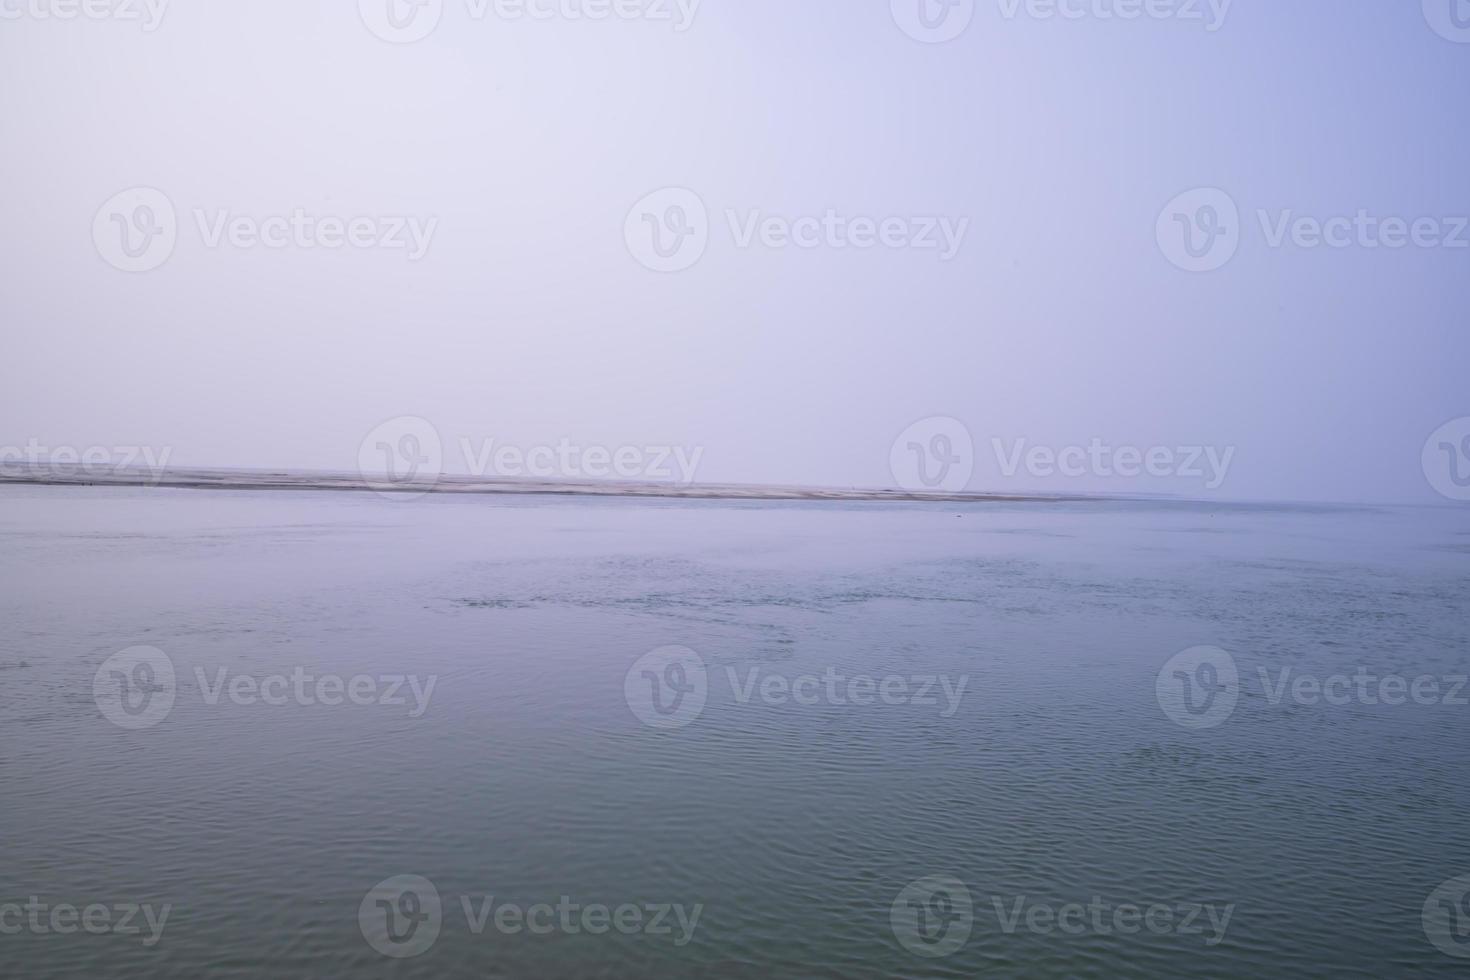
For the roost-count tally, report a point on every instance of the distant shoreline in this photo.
(229, 479)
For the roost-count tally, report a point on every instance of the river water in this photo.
(302, 734)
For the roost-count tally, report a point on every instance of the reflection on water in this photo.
(600, 737)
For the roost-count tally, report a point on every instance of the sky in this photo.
(981, 244)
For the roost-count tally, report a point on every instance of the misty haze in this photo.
(678, 488)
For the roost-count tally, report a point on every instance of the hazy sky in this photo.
(518, 149)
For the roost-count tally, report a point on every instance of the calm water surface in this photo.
(793, 824)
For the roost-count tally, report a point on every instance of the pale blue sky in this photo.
(1060, 319)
